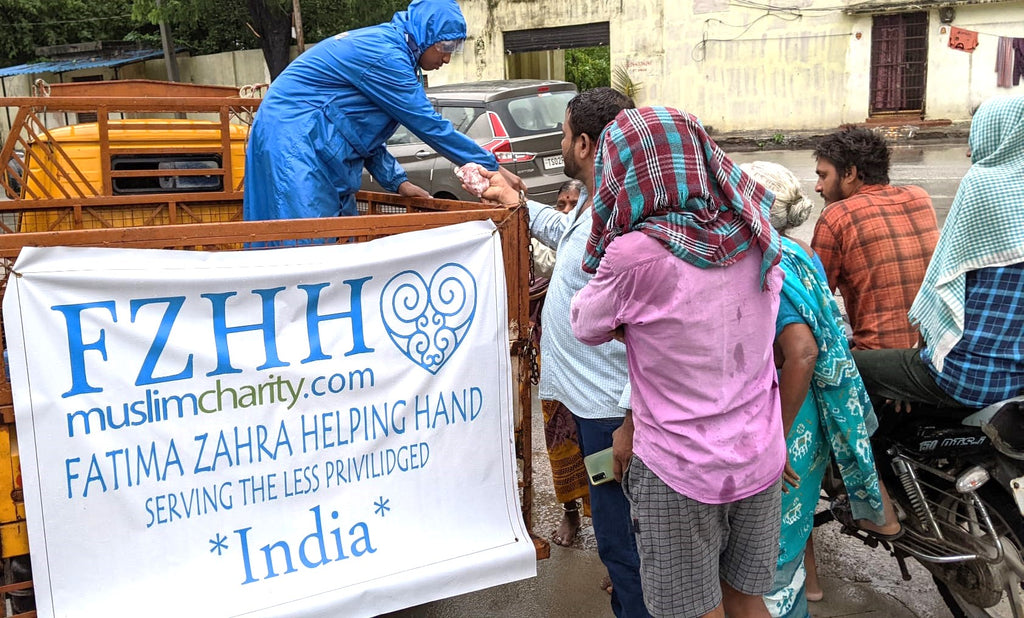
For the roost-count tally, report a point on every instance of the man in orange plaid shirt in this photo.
(874, 239)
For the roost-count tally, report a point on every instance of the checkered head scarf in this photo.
(659, 173)
(984, 227)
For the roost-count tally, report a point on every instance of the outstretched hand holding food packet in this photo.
(484, 182)
(504, 187)
(471, 178)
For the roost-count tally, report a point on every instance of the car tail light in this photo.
(505, 155)
(501, 146)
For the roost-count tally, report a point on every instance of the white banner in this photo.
(319, 431)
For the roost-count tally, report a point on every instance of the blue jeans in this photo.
(613, 524)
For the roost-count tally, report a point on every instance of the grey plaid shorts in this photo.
(686, 546)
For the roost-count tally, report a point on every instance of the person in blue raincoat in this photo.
(328, 114)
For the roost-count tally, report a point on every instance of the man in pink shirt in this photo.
(687, 273)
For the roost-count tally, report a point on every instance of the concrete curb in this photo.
(902, 135)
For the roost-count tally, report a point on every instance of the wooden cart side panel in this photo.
(131, 104)
(141, 88)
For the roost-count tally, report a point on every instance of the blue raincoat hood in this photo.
(426, 22)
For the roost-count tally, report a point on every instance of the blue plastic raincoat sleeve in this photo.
(398, 93)
(385, 169)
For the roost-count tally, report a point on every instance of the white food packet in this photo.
(470, 176)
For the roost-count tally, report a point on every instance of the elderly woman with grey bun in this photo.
(820, 417)
(792, 206)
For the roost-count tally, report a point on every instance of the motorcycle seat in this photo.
(1006, 429)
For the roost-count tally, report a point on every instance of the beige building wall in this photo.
(733, 67)
(14, 86)
(741, 68)
(237, 68)
(958, 81)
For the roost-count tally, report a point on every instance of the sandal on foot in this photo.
(881, 536)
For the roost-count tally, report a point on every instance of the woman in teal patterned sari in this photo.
(825, 409)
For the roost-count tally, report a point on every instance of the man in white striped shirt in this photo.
(591, 381)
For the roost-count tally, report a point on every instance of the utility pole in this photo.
(170, 58)
(300, 37)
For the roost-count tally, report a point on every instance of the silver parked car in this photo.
(519, 120)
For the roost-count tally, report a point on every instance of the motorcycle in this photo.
(958, 485)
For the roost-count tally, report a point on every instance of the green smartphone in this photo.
(600, 466)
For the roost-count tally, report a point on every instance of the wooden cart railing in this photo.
(66, 175)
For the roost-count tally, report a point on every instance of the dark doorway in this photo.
(899, 57)
(564, 37)
(543, 53)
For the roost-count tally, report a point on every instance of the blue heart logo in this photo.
(428, 321)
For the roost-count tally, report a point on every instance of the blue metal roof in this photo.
(62, 66)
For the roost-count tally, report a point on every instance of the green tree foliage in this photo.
(27, 24)
(324, 18)
(202, 26)
(588, 67)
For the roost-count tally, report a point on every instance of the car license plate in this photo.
(1017, 485)
(551, 163)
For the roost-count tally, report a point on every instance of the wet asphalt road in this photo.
(859, 582)
(936, 168)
